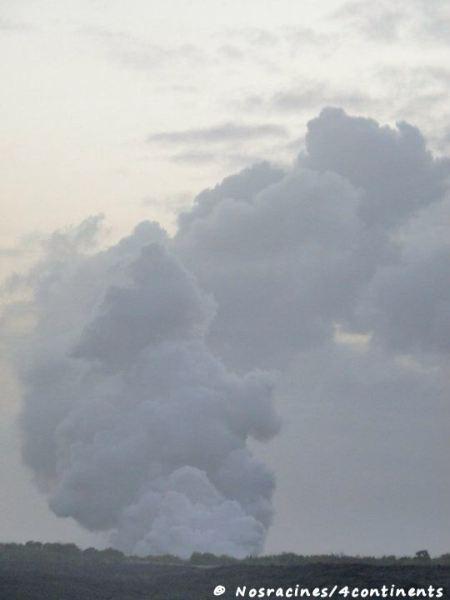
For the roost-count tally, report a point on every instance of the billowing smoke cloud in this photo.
(288, 262)
(130, 423)
(151, 363)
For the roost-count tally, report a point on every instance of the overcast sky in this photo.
(130, 109)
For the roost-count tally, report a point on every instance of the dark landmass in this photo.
(38, 571)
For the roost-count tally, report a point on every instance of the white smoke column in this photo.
(130, 424)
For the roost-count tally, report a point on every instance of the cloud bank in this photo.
(220, 133)
(151, 364)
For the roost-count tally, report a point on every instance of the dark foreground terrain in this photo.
(57, 572)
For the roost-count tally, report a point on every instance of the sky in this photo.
(130, 110)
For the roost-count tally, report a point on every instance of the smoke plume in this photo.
(131, 424)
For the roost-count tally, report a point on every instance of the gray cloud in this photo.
(242, 187)
(299, 37)
(266, 245)
(9, 26)
(382, 21)
(404, 177)
(407, 305)
(252, 36)
(225, 132)
(432, 19)
(141, 53)
(289, 241)
(418, 19)
(230, 51)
